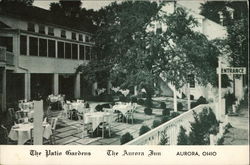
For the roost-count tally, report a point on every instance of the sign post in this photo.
(226, 70)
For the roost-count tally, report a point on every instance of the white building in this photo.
(40, 57)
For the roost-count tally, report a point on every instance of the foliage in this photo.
(180, 106)
(156, 123)
(17, 2)
(148, 111)
(133, 99)
(98, 108)
(126, 138)
(182, 138)
(148, 103)
(230, 100)
(143, 129)
(164, 139)
(174, 114)
(163, 105)
(204, 124)
(166, 112)
(164, 119)
(140, 101)
(201, 100)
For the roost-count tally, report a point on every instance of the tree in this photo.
(182, 138)
(204, 124)
(67, 8)
(17, 2)
(237, 28)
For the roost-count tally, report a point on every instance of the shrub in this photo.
(174, 114)
(201, 100)
(164, 139)
(193, 104)
(98, 108)
(156, 123)
(148, 103)
(163, 105)
(230, 99)
(182, 138)
(179, 106)
(122, 98)
(164, 119)
(140, 101)
(148, 111)
(126, 138)
(144, 129)
(166, 112)
(133, 99)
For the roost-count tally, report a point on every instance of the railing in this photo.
(2, 54)
(10, 58)
(170, 128)
(6, 57)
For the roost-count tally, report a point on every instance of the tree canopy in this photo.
(135, 56)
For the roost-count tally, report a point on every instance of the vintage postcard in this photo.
(128, 82)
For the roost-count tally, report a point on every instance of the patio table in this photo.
(123, 108)
(21, 132)
(97, 118)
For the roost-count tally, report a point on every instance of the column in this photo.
(175, 99)
(3, 89)
(77, 86)
(94, 88)
(135, 91)
(188, 97)
(27, 86)
(55, 84)
(109, 86)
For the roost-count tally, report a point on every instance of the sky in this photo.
(97, 4)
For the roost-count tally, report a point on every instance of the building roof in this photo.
(3, 25)
(43, 16)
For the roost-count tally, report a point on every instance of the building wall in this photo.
(48, 65)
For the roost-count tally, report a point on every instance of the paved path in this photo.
(238, 135)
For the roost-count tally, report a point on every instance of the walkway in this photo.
(238, 134)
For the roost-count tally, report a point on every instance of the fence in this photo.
(170, 128)
(6, 57)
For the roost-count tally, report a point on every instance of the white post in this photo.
(188, 97)
(219, 80)
(135, 91)
(27, 85)
(38, 119)
(77, 86)
(55, 84)
(175, 99)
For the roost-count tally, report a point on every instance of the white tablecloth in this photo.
(123, 108)
(80, 107)
(22, 133)
(97, 117)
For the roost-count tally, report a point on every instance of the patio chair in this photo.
(79, 101)
(12, 114)
(66, 111)
(105, 125)
(130, 115)
(53, 128)
(85, 127)
(21, 115)
(4, 139)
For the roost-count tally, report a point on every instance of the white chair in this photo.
(79, 101)
(65, 113)
(53, 128)
(105, 125)
(130, 115)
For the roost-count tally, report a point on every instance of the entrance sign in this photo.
(233, 70)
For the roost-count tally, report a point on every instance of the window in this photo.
(73, 36)
(63, 33)
(31, 27)
(42, 29)
(68, 50)
(42, 47)
(51, 31)
(74, 51)
(88, 52)
(33, 46)
(191, 81)
(23, 45)
(87, 39)
(51, 48)
(60, 49)
(82, 52)
(7, 42)
(80, 37)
